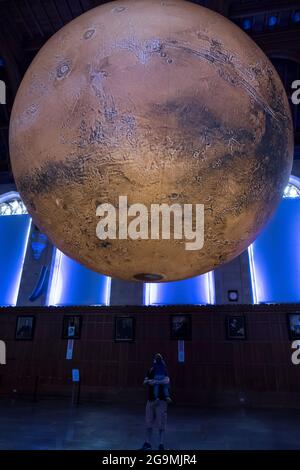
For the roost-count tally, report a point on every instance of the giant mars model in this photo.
(162, 102)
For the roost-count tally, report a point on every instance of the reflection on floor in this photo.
(57, 425)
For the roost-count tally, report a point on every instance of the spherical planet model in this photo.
(160, 102)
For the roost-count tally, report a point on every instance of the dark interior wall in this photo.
(255, 371)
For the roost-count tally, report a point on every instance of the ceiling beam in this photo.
(220, 6)
(262, 7)
(34, 45)
(284, 44)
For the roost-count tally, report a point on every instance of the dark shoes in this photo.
(146, 446)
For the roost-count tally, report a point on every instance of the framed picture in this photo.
(294, 325)
(124, 329)
(25, 328)
(72, 327)
(236, 327)
(181, 327)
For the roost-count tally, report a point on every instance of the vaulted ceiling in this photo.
(25, 25)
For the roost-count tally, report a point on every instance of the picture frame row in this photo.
(180, 327)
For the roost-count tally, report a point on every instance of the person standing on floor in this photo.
(158, 382)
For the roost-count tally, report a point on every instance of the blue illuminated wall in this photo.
(275, 256)
(73, 284)
(14, 233)
(197, 290)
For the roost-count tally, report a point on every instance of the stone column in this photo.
(126, 293)
(234, 275)
(39, 253)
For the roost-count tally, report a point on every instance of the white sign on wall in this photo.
(70, 347)
(75, 375)
(2, 353)
(2, 92)
(181, 356)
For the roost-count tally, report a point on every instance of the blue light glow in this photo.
(38, 244)
(73, 284)
(246, 24)
(274, 257)
(272, 21)
(256, 295)
(297, 17)
(14, 234)
(197, 290)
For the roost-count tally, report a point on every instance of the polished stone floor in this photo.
(57, 425)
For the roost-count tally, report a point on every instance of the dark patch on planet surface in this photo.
(193, 114)
(51, 175)
(104, 244)
(148, 277)
(271, 154)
